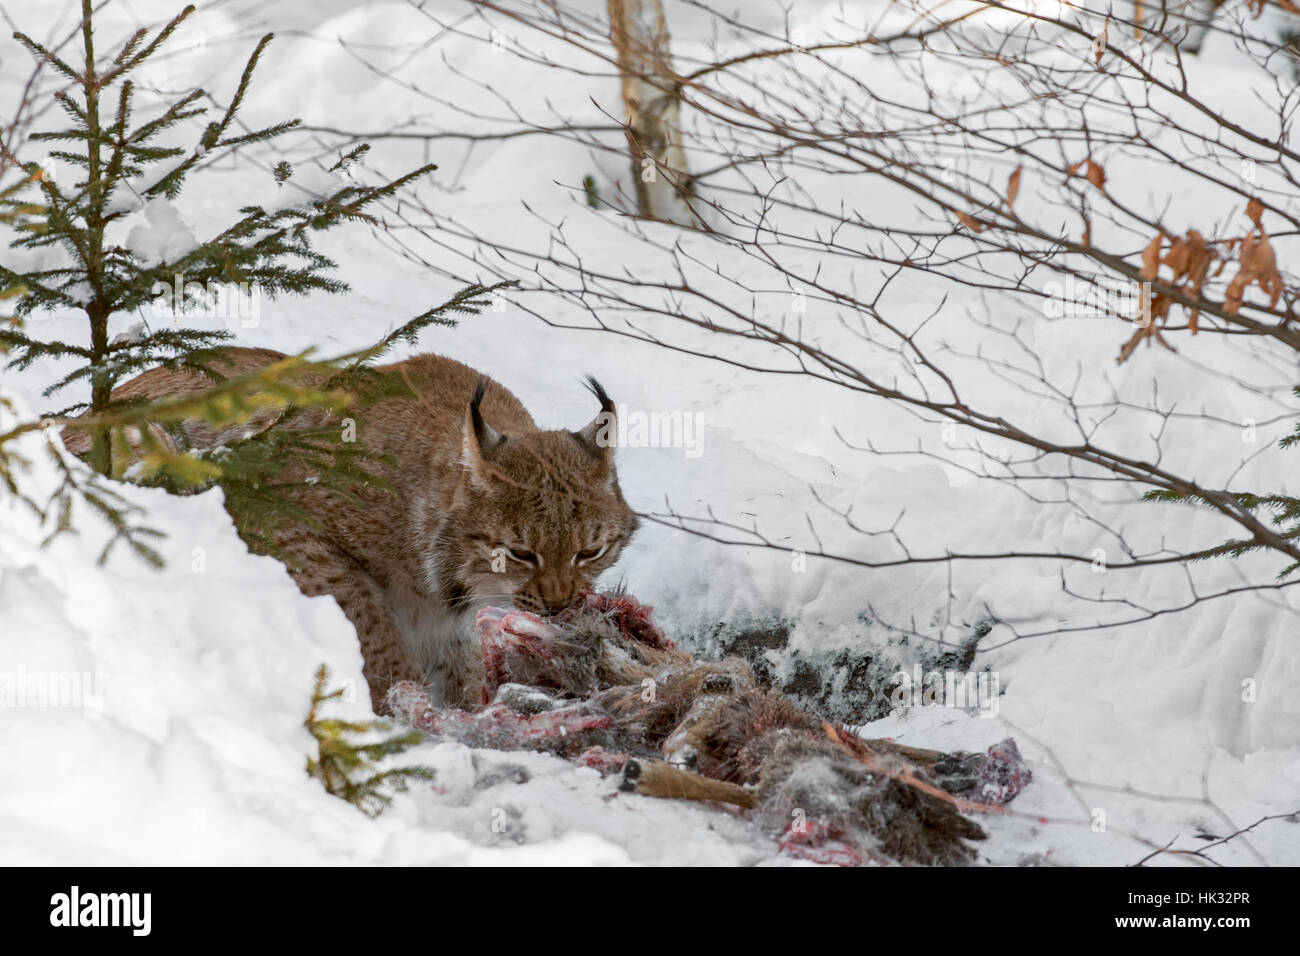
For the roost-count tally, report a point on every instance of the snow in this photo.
(163, 237)
(195, 752)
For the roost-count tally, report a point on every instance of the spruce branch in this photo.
(351, 768)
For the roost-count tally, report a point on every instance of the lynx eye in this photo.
(524, 557)
(591, 554)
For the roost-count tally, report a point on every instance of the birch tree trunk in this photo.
(664, 190)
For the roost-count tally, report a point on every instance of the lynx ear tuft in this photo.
(600, 433)
(482, 441)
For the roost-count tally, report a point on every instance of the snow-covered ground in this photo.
(189, 746)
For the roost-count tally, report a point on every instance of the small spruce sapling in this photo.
(347, 765)
(120, 165)
(116, 167)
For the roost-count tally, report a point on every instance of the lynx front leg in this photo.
(320, 568)
(463, 676)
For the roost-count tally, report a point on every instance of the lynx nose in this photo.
(556, 604)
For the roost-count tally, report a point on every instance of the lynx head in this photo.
(539, 514)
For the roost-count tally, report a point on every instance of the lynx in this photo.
(484, 508)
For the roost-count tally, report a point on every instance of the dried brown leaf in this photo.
(1096, 175)
(1177, 257)
(1151, 258)
(1263, 264)
(1199, 257)
(1234, 294)
(1255, 210)
(1148, 331)
(1099, 47)
(1258, 265)
(1148, 334)
(1126, 350)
